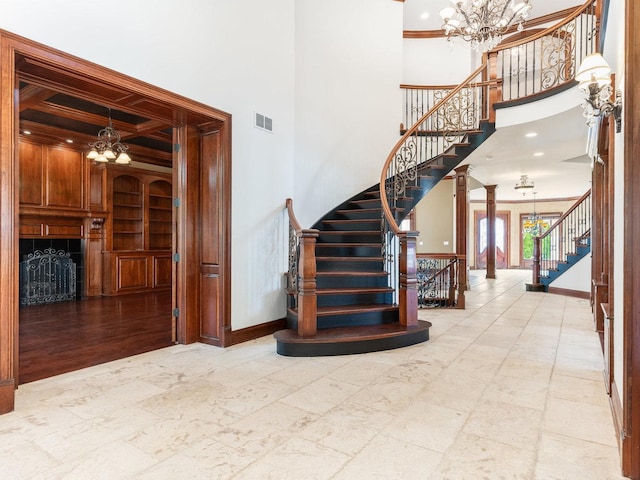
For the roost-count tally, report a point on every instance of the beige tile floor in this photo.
(510, 388)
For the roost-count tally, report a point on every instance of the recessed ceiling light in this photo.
(538, 154)
(27, 132)
(424, 15)
(69, 140)
(531, 134)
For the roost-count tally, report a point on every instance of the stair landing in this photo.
(351, 340)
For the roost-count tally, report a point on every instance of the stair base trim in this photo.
(535, 287)
(350, 340)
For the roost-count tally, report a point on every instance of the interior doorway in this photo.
(33, 74)
(502, 240)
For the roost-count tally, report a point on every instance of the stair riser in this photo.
(353, 298)
(363, 215)
(353, 226)
(348, 320)
(350, 281)
(349, 238)
(347, 251)
(351, 265)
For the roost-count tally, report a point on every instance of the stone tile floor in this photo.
(510, 388)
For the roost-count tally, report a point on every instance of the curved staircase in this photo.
(356, 309)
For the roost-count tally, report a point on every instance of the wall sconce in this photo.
(594, 77)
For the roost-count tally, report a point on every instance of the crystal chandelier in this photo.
(108, 146)
(483, 22)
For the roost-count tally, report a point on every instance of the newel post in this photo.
(495, 87)
(536, 260)
(408, 291)
(307, 300)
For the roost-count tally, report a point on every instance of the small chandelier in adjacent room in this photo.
(524, 185)
(594, 77)
(483, 22)
(534, 225)
(108, 146)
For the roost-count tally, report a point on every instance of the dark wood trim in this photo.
(616, 410)
(547, 200)
(534, 22)
(631, 274)
(491, 231)
(567, 292)
(7, 395)
(255, 331)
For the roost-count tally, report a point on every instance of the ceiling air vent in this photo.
(264, 123)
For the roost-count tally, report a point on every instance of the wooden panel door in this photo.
(200, 272)
(502, 240)
(210, 214)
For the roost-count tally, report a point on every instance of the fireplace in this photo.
(51, 270)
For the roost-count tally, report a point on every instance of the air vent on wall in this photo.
(264, 123)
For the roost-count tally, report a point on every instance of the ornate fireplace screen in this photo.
(46, 277)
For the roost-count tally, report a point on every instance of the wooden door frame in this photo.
(184, 111)
(478, 215)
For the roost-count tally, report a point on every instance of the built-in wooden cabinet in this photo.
(138, 235)
(160, 215)
(123, 215)
(127, 213)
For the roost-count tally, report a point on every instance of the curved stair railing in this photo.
(441, 134)
(569, 236)
(301, 276)
(547, 60)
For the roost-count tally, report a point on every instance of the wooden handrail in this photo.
(484, 83)
(565, 215)
(292, 216)
(393, 226)
(438, 256)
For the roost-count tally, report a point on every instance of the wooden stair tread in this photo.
(350, 273)
(349, 232)
(348, 244)
(355, 220)
(349, 290)
(359, 210)
(349, 259)
(351, 309)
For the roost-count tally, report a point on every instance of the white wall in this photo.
(435, 215)
(434, 61)
(577, 277)
(238, 56)
(348, 100)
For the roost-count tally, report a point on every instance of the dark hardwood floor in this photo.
(67, 336)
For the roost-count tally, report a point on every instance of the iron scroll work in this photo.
(47, 276)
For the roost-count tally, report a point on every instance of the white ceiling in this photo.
(563, 171)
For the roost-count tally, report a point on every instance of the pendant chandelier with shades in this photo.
(108, 146)
(524, 184)
(483, 22)
(534, 225)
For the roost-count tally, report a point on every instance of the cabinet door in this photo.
(64, 177)
(31, 174)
